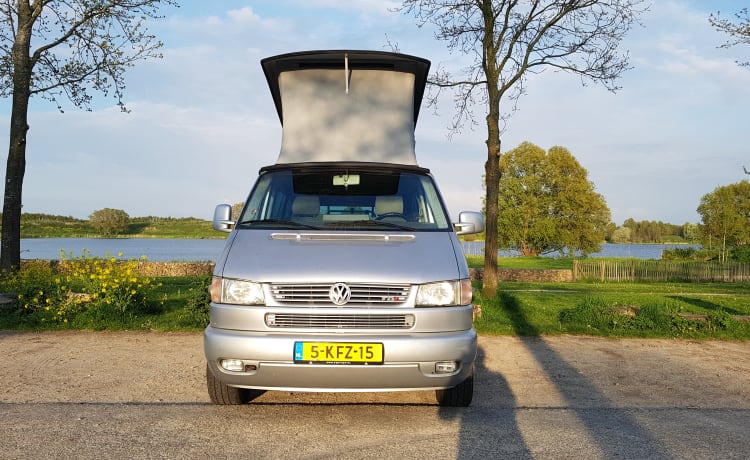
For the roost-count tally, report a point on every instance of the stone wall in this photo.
(528, 275)
(175, 268)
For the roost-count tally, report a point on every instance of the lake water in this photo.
(201, 250)
(155, 249)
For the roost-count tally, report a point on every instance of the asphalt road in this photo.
(142, 395)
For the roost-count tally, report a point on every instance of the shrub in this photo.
(79, 286)
(740, 253)
(594, 315)
(195, 313)
(688, 253)
(109, 221)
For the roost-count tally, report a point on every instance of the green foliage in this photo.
(651, 231)
(688, 253)
(740, 253)
(547, 204)
(195, 313)
(597, 316)
(621, 235)
(171, 227)
(80, 291)
(725, 214)
(51, 226)
(109, 221)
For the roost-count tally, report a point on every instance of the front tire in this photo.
(222, 394)
(458, 396)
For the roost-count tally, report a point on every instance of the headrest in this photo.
(389, 204)
(306, 205)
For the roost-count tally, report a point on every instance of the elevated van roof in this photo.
(347, 105)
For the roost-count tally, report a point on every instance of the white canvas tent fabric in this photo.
(359, 115)
(347, 105)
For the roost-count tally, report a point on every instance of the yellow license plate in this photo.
(338, 353)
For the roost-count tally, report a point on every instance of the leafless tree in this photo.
(62, 49)
(508, 40)
(737, 29)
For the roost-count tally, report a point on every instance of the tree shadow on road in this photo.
(613, 430)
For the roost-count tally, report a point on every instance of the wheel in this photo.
(222, 394)
(458, 396)
(387, 215)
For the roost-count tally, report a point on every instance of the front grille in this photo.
(361, 294)
(322, 321)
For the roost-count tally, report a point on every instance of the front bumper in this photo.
(409, 361)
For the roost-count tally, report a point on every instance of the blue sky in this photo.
(202, 121)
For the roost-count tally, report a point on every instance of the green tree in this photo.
(547, 204)
(62, 49)
(725, 217)
(690, 231)
(237, 209)
(738, 29)
(506, 40)
(621, 235)
(109, 221)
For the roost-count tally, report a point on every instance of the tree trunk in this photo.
(490, 276)
(10, 251)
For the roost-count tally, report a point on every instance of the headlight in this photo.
(444, 294)
(236, 292)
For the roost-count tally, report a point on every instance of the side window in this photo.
(432, 207)
(270, 199)
(418, 193)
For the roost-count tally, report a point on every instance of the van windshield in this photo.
(348, 199)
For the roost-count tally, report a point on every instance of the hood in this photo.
(347, 105)
(277, 256)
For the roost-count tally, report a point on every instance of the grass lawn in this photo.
(687, 310)
(618, 309)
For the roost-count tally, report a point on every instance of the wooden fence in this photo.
(660, 270)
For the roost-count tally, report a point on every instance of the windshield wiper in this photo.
(380, 223)
(288, 223)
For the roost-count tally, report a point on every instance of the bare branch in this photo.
(738, 30)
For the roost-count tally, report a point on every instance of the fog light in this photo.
(446, 367)
(233, 365)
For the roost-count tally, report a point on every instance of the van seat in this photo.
(306, 206)
(389, 204)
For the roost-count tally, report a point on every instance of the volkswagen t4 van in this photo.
(343, 272)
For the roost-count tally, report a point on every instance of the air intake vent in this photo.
(284, 320)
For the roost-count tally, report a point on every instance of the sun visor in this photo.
(347, 106)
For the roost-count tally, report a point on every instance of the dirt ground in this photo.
(143, 395)
(169, 367)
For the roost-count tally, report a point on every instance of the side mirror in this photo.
(469, 222)
(223, 218)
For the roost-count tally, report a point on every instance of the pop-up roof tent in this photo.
(347, 105)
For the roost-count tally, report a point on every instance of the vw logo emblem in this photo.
(340, 294)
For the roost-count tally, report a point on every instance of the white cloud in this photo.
(203, 123)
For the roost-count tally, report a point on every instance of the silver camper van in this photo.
(343, 272)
